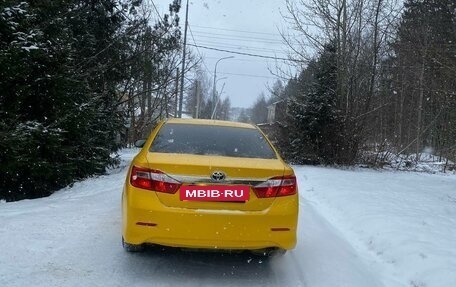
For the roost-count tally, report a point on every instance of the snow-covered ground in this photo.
(402, 224)
(357, 228)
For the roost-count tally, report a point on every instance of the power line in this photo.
(246, 75)
(156, 10)
(240, 31)
(238, 47)
(232, 30)
(250, 32)
(237, 37)
(247, 54)
(232, 40)
(199, 53)
(240, 59)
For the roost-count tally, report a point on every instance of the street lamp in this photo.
(217, 102)
(198, 103)
(219, 79)
(215, 77)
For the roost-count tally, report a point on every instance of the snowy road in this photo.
(73, 239)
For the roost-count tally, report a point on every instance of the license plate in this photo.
(215, 192)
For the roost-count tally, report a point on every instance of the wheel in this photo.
(269, 252)
(277, 252)
(132, 247)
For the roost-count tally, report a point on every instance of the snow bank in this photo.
(423, 162)
(403, 223)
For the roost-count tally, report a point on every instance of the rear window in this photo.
(212, 140)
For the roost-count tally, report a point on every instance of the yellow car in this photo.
(209, 184)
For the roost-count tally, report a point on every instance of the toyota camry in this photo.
(209, 184)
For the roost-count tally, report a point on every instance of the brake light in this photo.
(276, 186)
(153, 180)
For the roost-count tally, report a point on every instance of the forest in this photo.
(379, 84)
(81, 79)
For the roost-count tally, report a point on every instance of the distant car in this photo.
(209, 184)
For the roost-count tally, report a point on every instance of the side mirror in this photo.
(140, 143)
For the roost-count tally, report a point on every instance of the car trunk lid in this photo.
(197, 170)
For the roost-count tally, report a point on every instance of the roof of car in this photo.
(210, 123)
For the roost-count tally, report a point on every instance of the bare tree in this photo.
(358, 28)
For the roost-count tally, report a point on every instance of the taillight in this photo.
(153, 180)
(276, 186)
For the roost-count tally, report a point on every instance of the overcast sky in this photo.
(212, 23)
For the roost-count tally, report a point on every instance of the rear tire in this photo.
(132, 247)
(269, 252)
(278, 252)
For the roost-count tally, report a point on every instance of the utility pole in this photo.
(215, 77)
(197, 99)
(181, 97)
(177, 92)
(216, 104)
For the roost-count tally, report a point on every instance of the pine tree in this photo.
(313, 115)
(62, 64)
(260, 110)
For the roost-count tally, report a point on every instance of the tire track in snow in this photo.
(325, 258)
(77, 243)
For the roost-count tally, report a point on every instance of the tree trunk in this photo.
(420, 110)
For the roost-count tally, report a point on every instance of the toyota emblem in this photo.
(217, 176)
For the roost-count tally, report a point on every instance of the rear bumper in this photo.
(197, 228)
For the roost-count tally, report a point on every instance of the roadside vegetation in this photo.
(374, 85)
